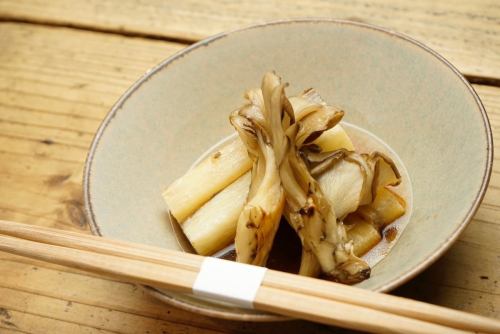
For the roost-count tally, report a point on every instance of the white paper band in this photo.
(229, 281)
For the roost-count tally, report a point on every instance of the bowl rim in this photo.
(264, 317)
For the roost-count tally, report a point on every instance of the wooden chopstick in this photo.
(181, 280)
(282, 293)
(334, 291)
(100, 245)
(387, 303)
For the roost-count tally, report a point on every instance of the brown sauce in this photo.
(285, 253)
(391, 233)
(365, 141)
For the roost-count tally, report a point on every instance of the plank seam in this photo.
(56, 319)
(473, 79)
(86, 27)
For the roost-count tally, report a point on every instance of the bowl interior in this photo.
(387, 84)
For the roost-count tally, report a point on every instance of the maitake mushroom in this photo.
(273, 138)
(260, 130)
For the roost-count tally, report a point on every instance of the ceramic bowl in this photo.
(388, 84)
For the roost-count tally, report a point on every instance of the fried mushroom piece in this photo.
(259, 124)
(325, 246)
(281, 145)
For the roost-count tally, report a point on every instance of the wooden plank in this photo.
(23, 322)
(464, 278)
(56, 85)
(52, 78)
(103, 298)
(489, 211)
(5, 330)
(465, 32)
(88, 315)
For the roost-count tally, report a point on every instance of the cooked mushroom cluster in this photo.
(292, 160)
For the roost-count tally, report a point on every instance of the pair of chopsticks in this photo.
(287, 294)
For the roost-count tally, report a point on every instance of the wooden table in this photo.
(64, 63)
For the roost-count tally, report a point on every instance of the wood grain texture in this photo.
(56, 84)
(466, 32)
(290, 295)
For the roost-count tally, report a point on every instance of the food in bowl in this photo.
(292, 160)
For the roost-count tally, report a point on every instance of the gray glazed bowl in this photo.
(387, 83)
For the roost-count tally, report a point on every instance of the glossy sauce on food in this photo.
(285, 254)
(286, 251)
(366, 142)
